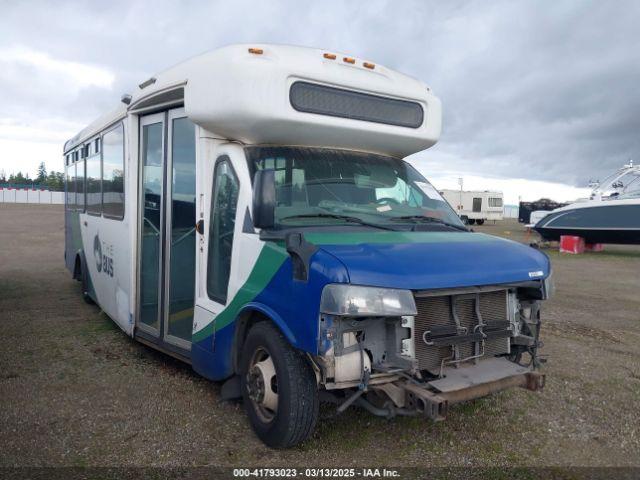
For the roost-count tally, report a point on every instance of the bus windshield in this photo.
(319, 186)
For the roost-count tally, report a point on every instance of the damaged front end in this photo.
(398, 352)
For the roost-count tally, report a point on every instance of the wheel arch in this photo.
(251, 314)
(79, 264)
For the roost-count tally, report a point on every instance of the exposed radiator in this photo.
(462, 339)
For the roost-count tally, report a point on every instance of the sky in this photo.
(538, 97)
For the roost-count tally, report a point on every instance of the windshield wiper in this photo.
(427, 219)
(346, 218)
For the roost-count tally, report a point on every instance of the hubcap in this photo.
(262, 385)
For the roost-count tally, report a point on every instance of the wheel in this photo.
(279, 388)
(480, 221)
(471, 221)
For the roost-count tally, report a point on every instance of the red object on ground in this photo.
(594, 247)
(571, 244)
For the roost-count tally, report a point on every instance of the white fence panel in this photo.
(8, 196)
(45, 196)
(22, 196)
(57, 198)
(511, 211)
(31, 196)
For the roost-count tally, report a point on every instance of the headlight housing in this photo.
(359, 301)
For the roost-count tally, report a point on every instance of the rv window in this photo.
(113, 173)
(221, 227)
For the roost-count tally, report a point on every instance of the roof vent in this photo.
(146, 83)
(126, 99)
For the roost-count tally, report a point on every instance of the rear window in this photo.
(336, 102)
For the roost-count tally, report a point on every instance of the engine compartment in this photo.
(461, 344)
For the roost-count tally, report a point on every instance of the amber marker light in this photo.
(368, 65)
(256, 51)
(329, 56)
(349, 60)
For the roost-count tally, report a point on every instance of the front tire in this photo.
(279, 388)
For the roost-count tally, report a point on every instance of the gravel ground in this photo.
(75, 391)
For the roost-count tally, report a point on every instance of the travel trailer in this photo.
(249, 212)
(475, 207)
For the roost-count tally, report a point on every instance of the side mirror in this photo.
(264, 198)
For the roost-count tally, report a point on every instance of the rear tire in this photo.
(480, 221)
(269, 366)
(471, 221)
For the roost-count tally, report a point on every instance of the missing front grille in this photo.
(451, 328)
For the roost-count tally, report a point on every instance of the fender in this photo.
(222, 361)
(273, 316)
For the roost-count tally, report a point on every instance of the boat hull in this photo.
(597, 222)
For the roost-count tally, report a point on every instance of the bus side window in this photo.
(221, 228)
(113, 173)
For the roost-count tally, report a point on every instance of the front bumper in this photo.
(468, 382)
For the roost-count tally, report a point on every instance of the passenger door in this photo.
(167, 233)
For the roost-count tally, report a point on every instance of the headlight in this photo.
(357, 301)
(549, 287)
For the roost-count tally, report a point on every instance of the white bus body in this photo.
(239, 211)
(475, 206)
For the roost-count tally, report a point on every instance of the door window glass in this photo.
(183, 234)
(152, 197)
(221, 228)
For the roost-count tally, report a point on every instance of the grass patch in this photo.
(97, 326)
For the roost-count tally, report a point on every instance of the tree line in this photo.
(52, 180)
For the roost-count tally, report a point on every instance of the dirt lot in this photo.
(76, 391)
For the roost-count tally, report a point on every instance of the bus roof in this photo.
(244, 93)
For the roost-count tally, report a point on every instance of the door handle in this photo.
(200, 227)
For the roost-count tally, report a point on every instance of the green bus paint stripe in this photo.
(320, 238)
(269, 261)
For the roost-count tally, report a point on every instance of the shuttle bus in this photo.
(249, 212)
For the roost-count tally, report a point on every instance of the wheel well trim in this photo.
(79, 256)
(271, 315)
(243, 316)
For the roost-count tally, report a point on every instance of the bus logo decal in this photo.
(104, 262)
(97, 252)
